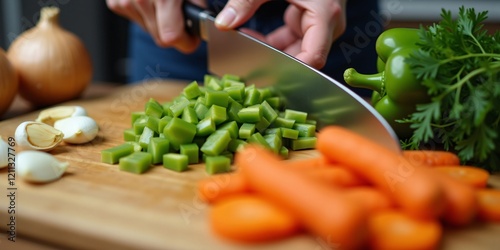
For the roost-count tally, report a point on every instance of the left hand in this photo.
(311, 26)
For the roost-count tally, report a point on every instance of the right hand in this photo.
(162, 19)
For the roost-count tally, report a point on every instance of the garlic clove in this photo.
(51, 115)
(77, 129)
(3, 153)
(37, 166)
(37, 136)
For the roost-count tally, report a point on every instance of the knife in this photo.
(302, 87)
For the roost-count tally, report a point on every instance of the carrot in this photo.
(397, 230)
(489, 204)
(461, 203)
(308, 163)
(221, 185)
(431, 157)
(251, 218)
(322, 209)
(414, 189)
(473, 176)
(372, 199)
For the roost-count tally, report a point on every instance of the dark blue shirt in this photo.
(355, 48)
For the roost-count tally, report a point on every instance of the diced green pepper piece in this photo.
(140, 124)
(246, 130)
(250, 114)
(205, 127)
(137, 162)
(113, 155)
(217, 164)
(152, 123)
(136, 115)
(157, 147)
(179, 132)
(236, 92)
(178, 106)
(189, 115)
(274, 102)
(268, 112)
(192, 90)
(313, 122)
(201, 100)
(215, 97)
(258, 139)
(175, 162)
(231, 77)
(236, 145)
(262, 125)
(217, 113)
(163, 122)
(274, 141)
(305, 130)
(129, 135)
(298, 116)
(166, 109)
(272, 131)
(289, 133)
(146, 136)
(283, 123)
(303, 143)
(201, 110)
(284, 152)
(252, 97)
(212, 83)
(232, 111)
(153, 108)
(192, 151)
(216, 143)
(265, 93)
(232, 127)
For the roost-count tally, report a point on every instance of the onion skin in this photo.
(53, 64)
(8, 83)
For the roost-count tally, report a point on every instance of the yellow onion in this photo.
(53, 64)
(8, 83)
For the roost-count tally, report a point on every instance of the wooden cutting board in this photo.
(95, 205)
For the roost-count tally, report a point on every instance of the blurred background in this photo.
(105, 34)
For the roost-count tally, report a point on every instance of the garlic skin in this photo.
(38, 166)
(51, 115)
(77, 129)
(3, 153)
(37, 136)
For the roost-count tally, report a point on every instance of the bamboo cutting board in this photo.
(97, 206)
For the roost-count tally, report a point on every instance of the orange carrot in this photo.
(372, 199)
(251, 218)
(489, 204)
(336, 176)
(397, 230)
(461, 203)
(473, 176)
(308, 163)
(322, 209)
(221, 185)
(415, 189)
(431, 157)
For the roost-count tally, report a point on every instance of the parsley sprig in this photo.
(458, 60)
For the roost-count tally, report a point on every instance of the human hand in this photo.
(163, 19)
(311, 26)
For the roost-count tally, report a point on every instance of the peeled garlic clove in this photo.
(37, 135)
(51, 115)
(3, 153)
(77, 129)
(37, 166)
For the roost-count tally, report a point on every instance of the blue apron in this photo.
(355, 48)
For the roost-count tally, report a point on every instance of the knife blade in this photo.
(302, 87)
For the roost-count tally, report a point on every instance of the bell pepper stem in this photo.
(374, 82)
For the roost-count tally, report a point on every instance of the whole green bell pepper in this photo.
(397, 91)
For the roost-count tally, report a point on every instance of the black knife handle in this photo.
(192, 18)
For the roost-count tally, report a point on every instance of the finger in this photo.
(281, 38)
(237, 12)
(171, 27)
(126, 8)
(147, 10)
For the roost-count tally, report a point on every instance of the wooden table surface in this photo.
(96, 206)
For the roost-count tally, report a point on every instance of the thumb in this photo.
(237, 12)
